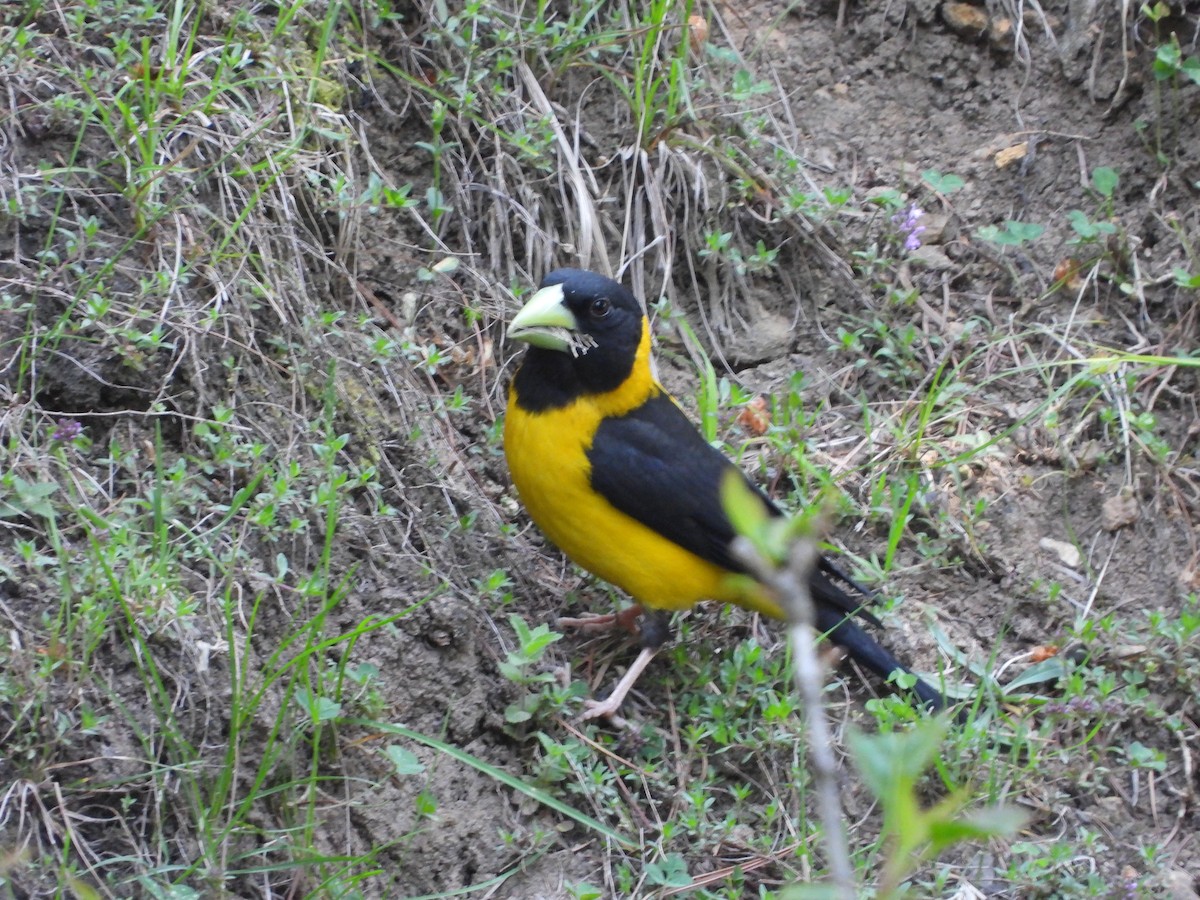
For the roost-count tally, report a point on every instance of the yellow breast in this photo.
(547, 456)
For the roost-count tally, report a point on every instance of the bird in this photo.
(612, 471)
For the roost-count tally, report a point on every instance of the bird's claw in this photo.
(588, 621)
(603, 709)
(626, 619)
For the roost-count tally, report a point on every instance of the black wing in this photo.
(653, 465)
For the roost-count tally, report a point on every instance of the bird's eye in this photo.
(600, 307)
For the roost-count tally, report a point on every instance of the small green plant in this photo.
(891, 765)
(1170, 64)
(1170, 70)
(897, 352)
(1012, 233)
(1057, 868)
(721, 246)
(23, 498)
(669, 872)
(944, 185)
(1087, 231)
(1139, 756)
(541, 692)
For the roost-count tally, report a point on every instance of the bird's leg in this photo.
(608, 707)
(656, 628)
(625, 619)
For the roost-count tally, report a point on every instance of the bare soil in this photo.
(888, 93)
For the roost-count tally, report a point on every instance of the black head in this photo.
(584, 331)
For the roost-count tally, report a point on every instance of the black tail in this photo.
(835, 608)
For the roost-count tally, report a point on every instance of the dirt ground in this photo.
(877, 93)
(878, 98)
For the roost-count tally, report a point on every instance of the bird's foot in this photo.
(603, 709)
(625, 619)
(587, 621)
(607, 708)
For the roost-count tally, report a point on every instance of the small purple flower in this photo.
(67, 430)
(906, 222)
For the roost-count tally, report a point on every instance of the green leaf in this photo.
(585, 891)
(812, 892)
(978, 825)
(425, 803)
(1105, 180)
(1014, 233)
(671, 872)
(745, 86)
(327, 709)
(534, 641)
(1083, 226)
(152, 888)
(891, 761)
(541, 638)
(1086, 228)
(1167, 61)
(750, 518)
(708, 400)
(942, 184)
(948, 647)
(1191, 68)
(521, 629)
(1156, 13)
(321, 709)
(515, 715)
(745, 509)
(511, 671)
(1050, 669)
(1185, 279)
(28, 498)
(1026, 231)
(404, 762)
(1144, 757)
(888, 198)
(361, 673)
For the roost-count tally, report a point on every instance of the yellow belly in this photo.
(547, 456)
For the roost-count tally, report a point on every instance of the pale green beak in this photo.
(545, 321)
